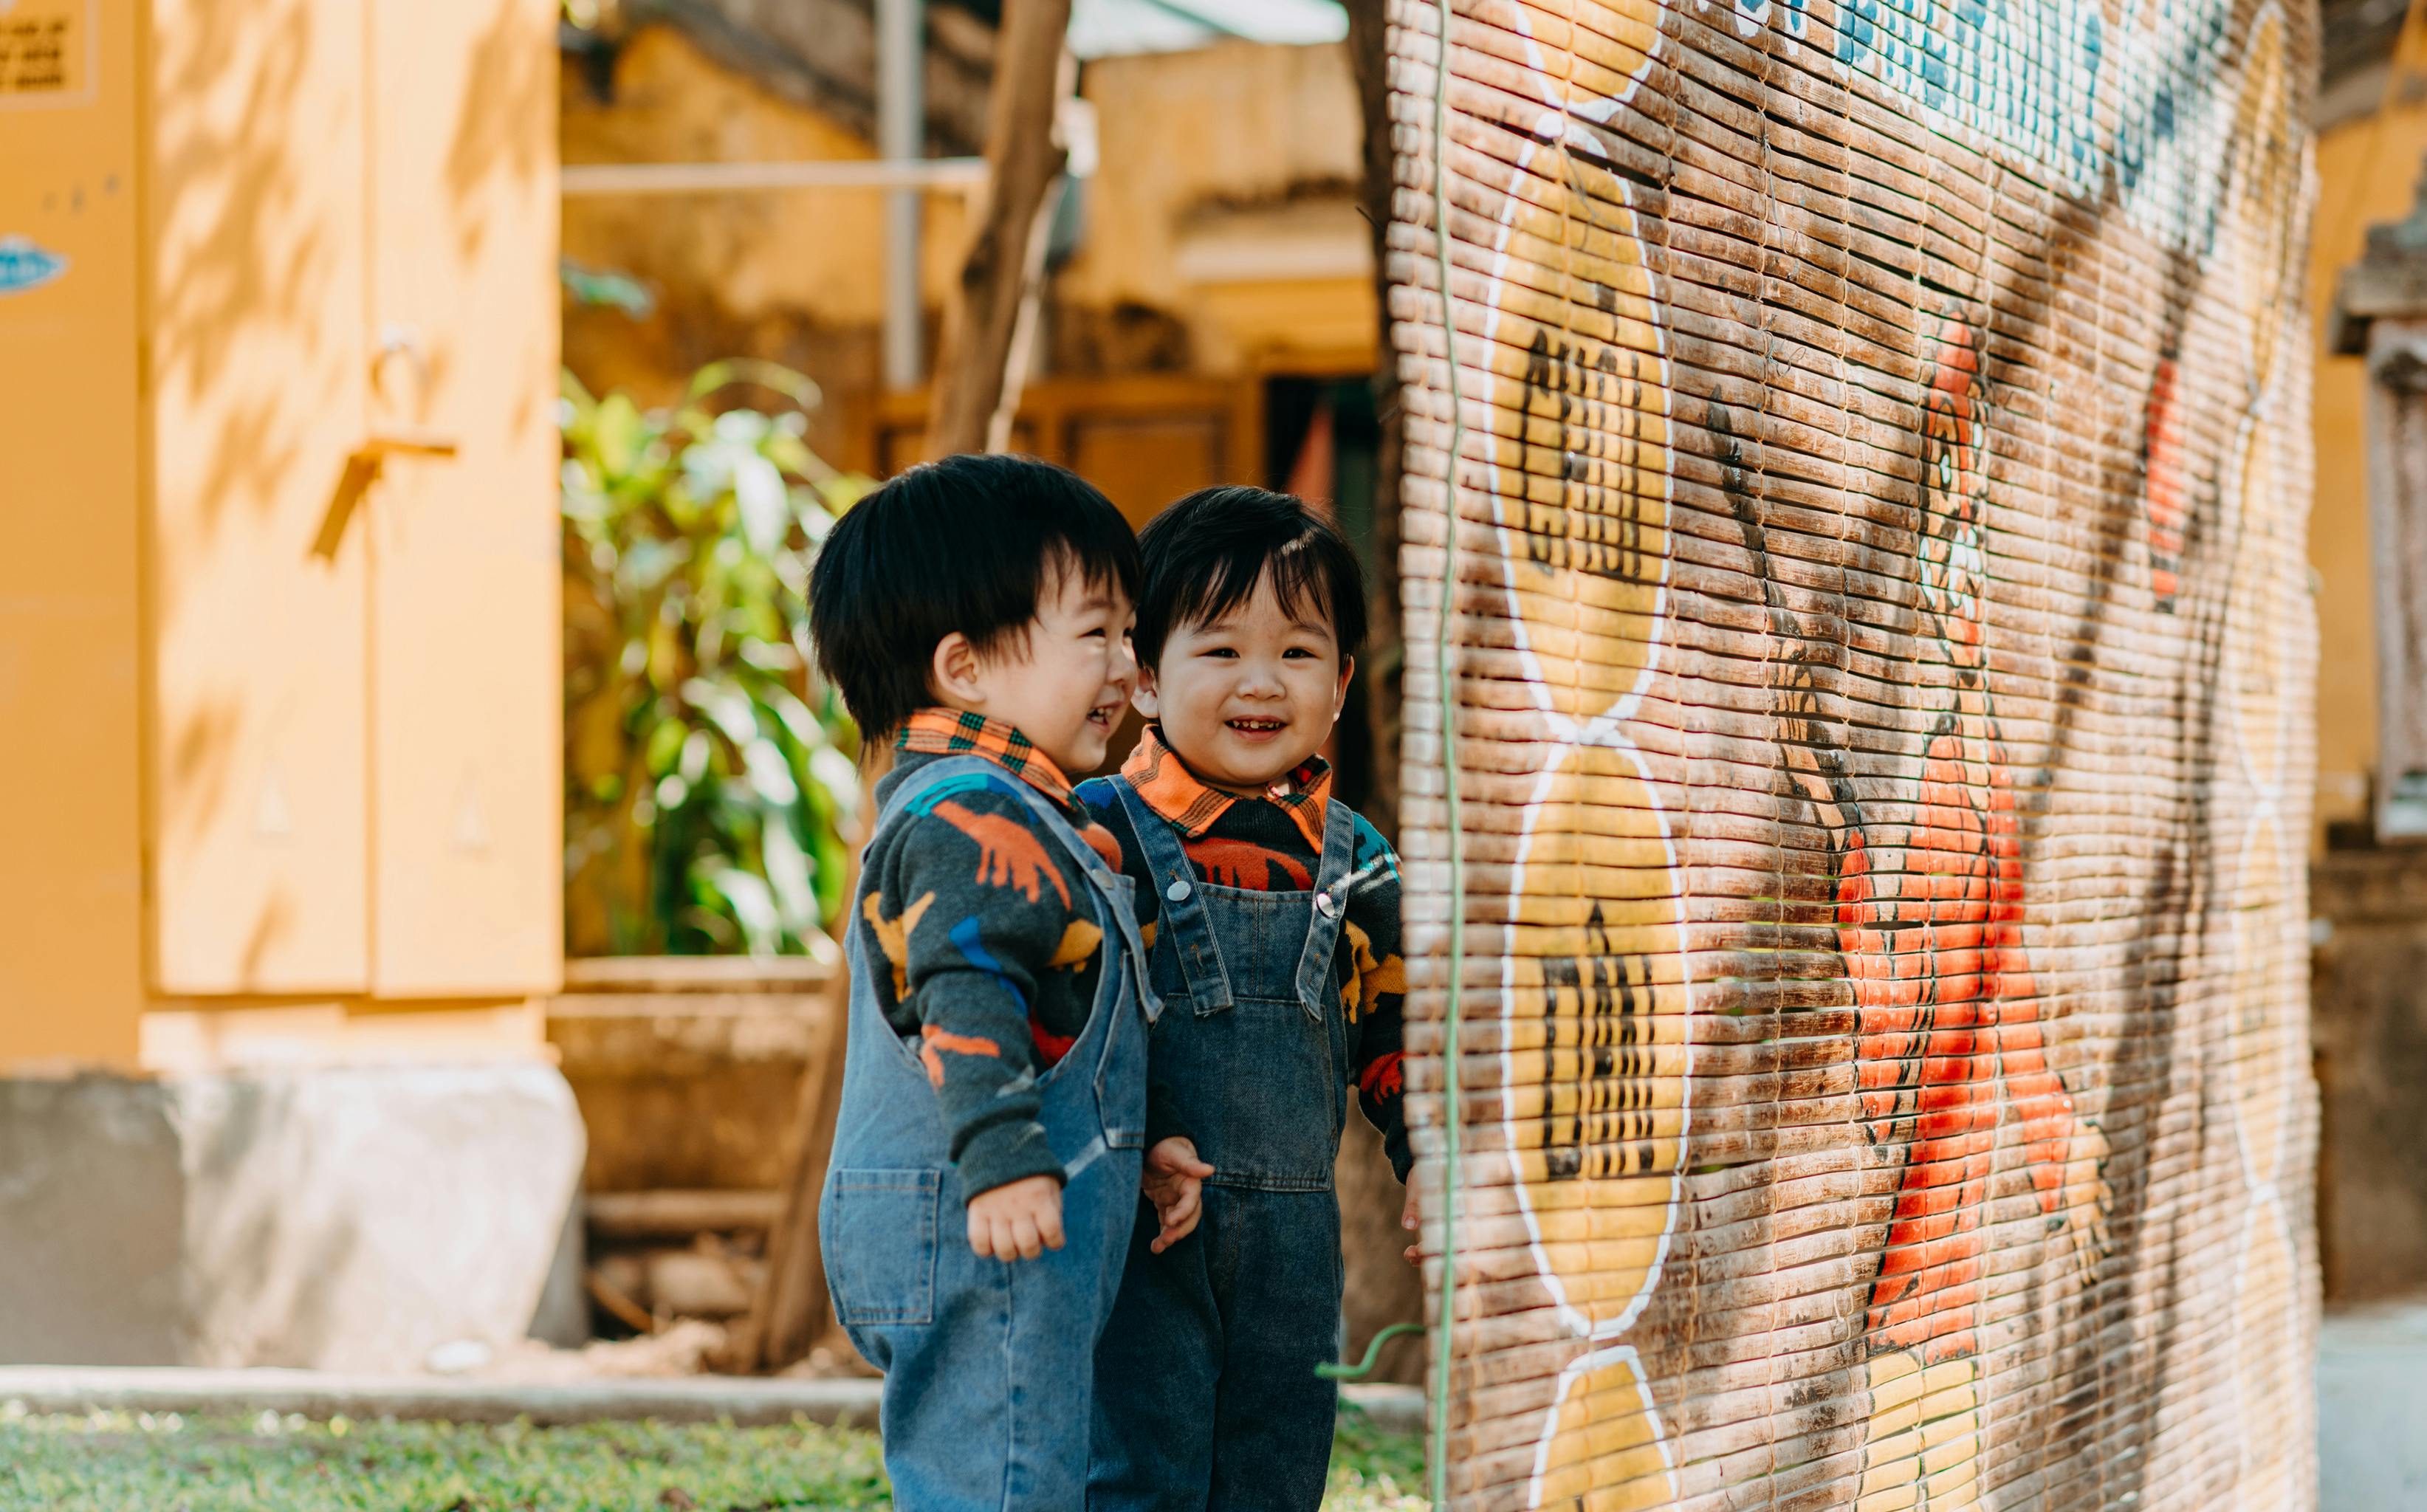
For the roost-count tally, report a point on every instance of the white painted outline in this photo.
(1605, 730)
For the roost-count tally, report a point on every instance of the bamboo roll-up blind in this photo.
(1880, 662)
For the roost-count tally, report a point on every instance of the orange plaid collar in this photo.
(958, 732)
(1191, 806)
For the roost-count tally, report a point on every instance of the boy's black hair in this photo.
(1206, 553)
(968, 543)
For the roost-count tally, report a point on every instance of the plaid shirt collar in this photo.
(1175, 792)
(958, 732)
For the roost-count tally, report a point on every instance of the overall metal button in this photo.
(1179, 890)
(1323, 902)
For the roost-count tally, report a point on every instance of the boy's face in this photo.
(1064, 682)
(1247, 698)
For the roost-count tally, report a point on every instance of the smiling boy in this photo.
(975, 612)
(1277, 955)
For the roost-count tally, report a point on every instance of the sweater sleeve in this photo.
(1374, 991)
(971, 905)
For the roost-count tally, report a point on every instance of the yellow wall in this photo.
(1228, 194)
(282, 741)
(2368, 171)
(760, 250)
(1203, 155)
(745, 261)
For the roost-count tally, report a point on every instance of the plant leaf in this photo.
(789, 872)
(766, 505)
(753, 905)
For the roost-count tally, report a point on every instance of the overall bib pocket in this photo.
(881, 1245)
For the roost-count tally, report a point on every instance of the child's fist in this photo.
(1411, 1218)
(1019, 1220)
(1174, 1182)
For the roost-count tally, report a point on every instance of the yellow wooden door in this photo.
(255, 376)
(466, 687)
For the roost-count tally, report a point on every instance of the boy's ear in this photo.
(1144, 698)
(1340, 694)
(956, 670)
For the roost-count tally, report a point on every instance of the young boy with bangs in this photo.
(1276, 953)
(975, 612)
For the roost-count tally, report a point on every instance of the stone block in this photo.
(334, 1219)
(2368, 1024)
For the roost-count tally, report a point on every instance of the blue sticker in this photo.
(25, 265)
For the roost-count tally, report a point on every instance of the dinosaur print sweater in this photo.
(988, 938)
(1274, 843)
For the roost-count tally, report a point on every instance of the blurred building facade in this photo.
(1210, 317)
(1210, 275)
(278, 639)
(280, 304)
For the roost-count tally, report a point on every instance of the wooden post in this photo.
(979, 376)
(791, 1312)
(1369, 61)
(2380, 312)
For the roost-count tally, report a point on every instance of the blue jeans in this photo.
(1206, 1390)
(989, 1364)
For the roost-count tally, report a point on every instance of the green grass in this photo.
(118, 1462)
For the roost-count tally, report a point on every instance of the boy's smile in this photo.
(1063, 680)
(1247, 698)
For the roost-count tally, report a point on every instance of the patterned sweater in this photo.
(992, 940)
(1274, 843)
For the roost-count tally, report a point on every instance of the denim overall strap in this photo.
(1331, 882)
(1184, 929)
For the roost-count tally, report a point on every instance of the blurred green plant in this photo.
(710, 780)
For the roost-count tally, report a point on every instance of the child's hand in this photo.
(1019, 1220)
(1174, 1182)
(1411, 1220)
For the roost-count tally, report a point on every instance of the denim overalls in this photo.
(1206, 1394)
(987, 1363)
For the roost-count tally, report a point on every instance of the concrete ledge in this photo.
(744, 1399)
(318, 1394)
(340, 1218)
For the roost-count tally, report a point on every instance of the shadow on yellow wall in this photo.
(278, 785)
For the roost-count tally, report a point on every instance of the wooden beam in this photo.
(679, 1214)
(979, 377)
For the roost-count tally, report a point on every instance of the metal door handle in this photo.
(362, 467)
(379, 449)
